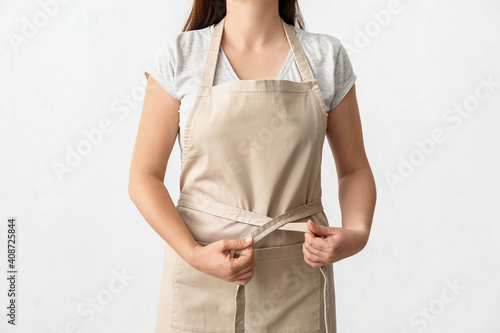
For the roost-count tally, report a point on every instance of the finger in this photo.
(312, 251)
(247, 257)
(245, 268)
(244, 279)
(244, 261)
(326, 249)
(235, 244)
(313, 258)
(313, 264)
(239, 275)
(317, 229)
(249, 253)
(317, 243)
(322, 230)
(243, 271)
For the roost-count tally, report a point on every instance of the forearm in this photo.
(153, 201)
(357, 197)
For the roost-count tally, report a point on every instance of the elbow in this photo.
(139, 184)
(133, 188)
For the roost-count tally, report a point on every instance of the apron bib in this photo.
(251, 165)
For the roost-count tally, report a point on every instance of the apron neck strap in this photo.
(213, 53)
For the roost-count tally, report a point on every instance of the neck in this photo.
(252, 25)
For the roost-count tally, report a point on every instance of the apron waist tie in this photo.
(266, 225)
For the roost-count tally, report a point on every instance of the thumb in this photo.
(320, 229)
(237, 244)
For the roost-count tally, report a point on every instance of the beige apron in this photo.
(251, 165)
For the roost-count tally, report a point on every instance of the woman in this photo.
(248, 245)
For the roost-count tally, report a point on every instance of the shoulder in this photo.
(187, 44)
(330, 64)
(320, 45)
(317, 37)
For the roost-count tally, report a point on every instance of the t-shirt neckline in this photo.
(281, 74)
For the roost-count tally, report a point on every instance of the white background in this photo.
(432, 261)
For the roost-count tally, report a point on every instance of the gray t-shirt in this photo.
(178, 67)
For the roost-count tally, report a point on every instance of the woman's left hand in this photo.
(337, 244)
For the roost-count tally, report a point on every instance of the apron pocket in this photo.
(201, 302)
(284, 294)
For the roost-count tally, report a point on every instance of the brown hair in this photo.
(207, 12)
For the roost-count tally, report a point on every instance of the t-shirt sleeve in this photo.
(162, 68)
(344, 77)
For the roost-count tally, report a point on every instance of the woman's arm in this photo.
(156, 136)
(357, 191)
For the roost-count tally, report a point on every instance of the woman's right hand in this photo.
(215, 259)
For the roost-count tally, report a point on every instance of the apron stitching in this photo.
(320, 100)
(187, 130)
(259, 92)
(175, 291)
(325, 295)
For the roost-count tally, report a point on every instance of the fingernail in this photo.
(248, 239)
